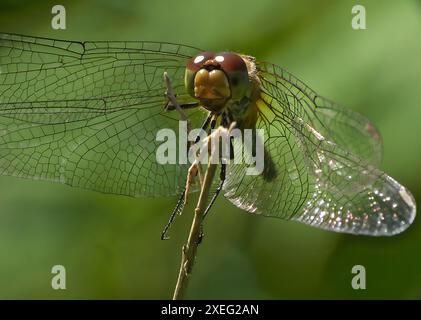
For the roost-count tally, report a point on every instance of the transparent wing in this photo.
(86, 114)
(324, 161)
(341, 125)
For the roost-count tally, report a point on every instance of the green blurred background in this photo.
(110, 245)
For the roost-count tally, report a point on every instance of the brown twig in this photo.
(190, 248)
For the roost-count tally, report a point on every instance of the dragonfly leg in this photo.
(182, 199)
(178, 208)
(174, 103)
(222, 177)
(185, 106)
(191, 174)
(196, 169)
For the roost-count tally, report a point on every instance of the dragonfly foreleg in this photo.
(170, 107)
(174, 103)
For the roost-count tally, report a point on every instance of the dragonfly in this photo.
(86, 114)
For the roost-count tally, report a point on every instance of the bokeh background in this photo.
(110, 245)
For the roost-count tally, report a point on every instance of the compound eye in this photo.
(236, 70)
(231, 62)
(196, 63)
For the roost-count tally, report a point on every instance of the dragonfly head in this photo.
(215, 78)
